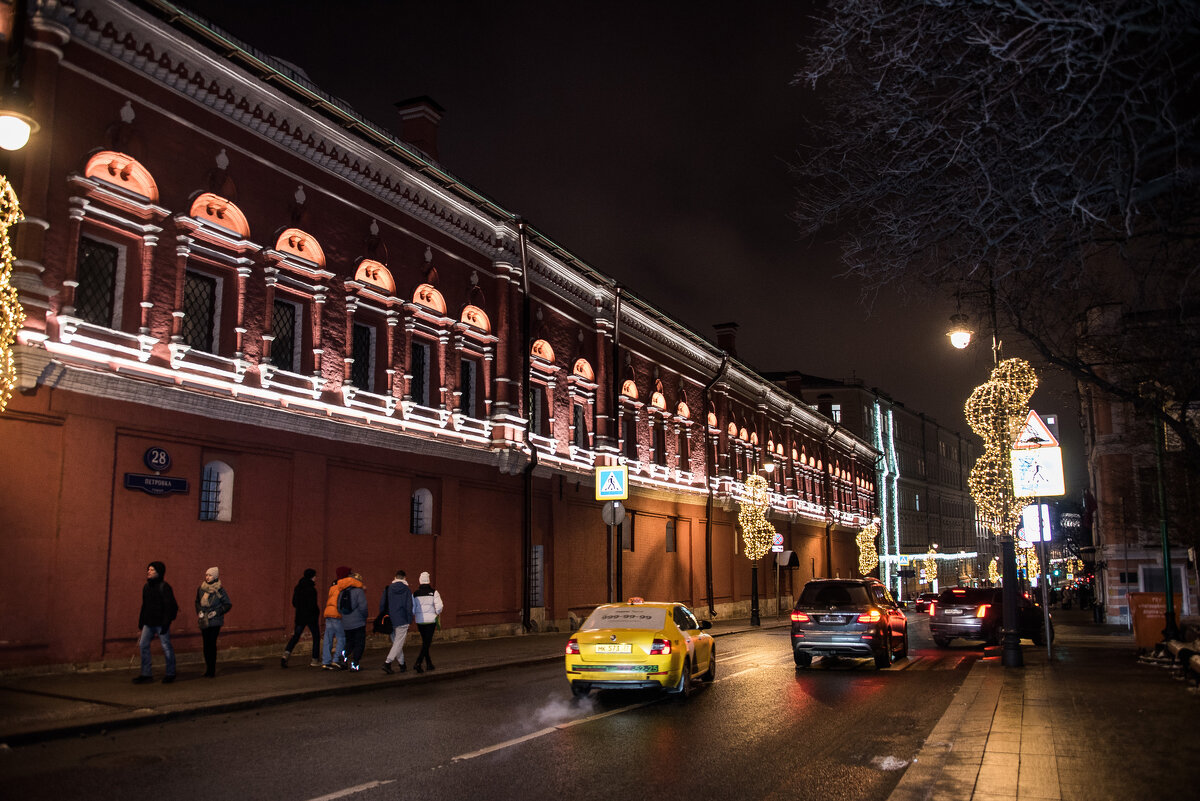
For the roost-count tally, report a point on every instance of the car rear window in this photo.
(650, 618)
(967, 595)
(827, 595)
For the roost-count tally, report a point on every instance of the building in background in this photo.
(266, 334)
(924, 501)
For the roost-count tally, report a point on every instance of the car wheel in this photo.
(903, 645)
(711, 673)
(684, 688)
(579, 692)
(993, 636)
(802, 660)
(941, 642)
(884, 659)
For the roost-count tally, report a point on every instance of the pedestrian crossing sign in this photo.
(612, 483)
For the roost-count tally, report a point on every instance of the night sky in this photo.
(652, 140)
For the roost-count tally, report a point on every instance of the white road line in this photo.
(543, 732)
(352, 790)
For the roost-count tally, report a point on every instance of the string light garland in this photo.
(996, 411)
(868, 558)
(757, 533)
(1027, 559)
(994, 571)
(930, 566)
(12, 316)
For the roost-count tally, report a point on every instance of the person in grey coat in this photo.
(212, 604)
(355, 622)
(396, 603)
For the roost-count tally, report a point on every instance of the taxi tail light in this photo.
(982, 610)
(800, 617)
(572, 647)
(874, 616)
(660, 647)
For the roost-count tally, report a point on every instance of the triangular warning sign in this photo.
(1035, 434)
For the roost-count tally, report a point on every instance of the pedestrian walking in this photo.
(212, 604)
(353, 605)
(333, 656)
(308, 615)
(427, 607)
(157, 612)
(396, 603)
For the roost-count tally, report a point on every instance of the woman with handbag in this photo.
(427, 607)
(212, 603)
(395, 613)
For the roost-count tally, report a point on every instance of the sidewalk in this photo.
(1092, 724)
(48, 705)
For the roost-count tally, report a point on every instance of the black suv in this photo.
(973, 613)
(848, 617)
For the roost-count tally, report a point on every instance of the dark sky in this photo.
(652, 140)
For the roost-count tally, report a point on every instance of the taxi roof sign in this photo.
(612, 483)
(1035, 434)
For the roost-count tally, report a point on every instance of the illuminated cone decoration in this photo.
(757, 533)
(868, 559)
(996, 411)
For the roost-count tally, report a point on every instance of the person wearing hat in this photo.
(154, 620)
(308, 616)
(212, 604)
(427, 606)
(332, 659)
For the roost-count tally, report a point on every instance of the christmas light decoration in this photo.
(996, 411)
(1027, 560)
(757, 533)
(994, 571)
(868, 559)
(12, 316)
(930, 566)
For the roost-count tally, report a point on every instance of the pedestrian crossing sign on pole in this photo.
(612, 483)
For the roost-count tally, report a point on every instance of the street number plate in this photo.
(614, 648)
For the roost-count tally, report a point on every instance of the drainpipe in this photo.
(709, 473)
(527, 394)
(617, 416)
(829, 504)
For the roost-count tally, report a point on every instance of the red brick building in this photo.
(265, 334)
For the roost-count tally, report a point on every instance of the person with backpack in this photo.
(332, 659)
(352, 604)
(154, 620)
(396, 603)
(304, 601)
(212, 604)
(427, 606)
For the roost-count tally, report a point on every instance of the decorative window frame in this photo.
(368, 303)
(306, 282)
(544, 373)
(470, 341)
(581, 391)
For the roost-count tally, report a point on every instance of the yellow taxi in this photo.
(640, 644)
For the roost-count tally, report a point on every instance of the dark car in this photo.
(848, 617)
(924, 600)
(973, 613)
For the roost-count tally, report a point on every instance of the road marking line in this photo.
(352, 790)
(735, 675)
(543, 732)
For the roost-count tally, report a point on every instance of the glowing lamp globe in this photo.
(959, 333)
(15, 129)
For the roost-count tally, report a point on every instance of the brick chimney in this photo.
(727, 337)
(419, 119)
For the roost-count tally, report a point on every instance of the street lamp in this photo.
(1010, 654)
(16, 124)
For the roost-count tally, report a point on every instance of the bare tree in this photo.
(1047, 149)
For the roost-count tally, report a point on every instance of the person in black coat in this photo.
(157, 613)
(304, 601)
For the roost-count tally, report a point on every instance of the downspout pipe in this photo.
(616, 563)
(709, 473)
(527, 395)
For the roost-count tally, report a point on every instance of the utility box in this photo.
(1148, 611)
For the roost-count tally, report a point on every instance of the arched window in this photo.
(216, 492)
(421, 520)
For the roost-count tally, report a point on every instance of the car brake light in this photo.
(932, 608)
(959, 592)
(799, 617)
(873, 616)
(660, 647)
(982, 610)
(572, 647)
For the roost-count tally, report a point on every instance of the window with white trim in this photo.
(216, 492)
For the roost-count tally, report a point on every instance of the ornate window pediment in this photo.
(123, 171)
(372, 272)
(476, 318)
(426, 295)
(301, 245)
(220, 212)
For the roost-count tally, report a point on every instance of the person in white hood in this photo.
(426, 606)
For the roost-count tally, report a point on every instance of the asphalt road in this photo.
(762, 730)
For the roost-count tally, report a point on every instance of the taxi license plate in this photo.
(614, 648)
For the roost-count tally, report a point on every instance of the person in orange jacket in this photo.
(333, 625)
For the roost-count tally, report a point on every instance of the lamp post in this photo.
(1010, 654)
(16, 123)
